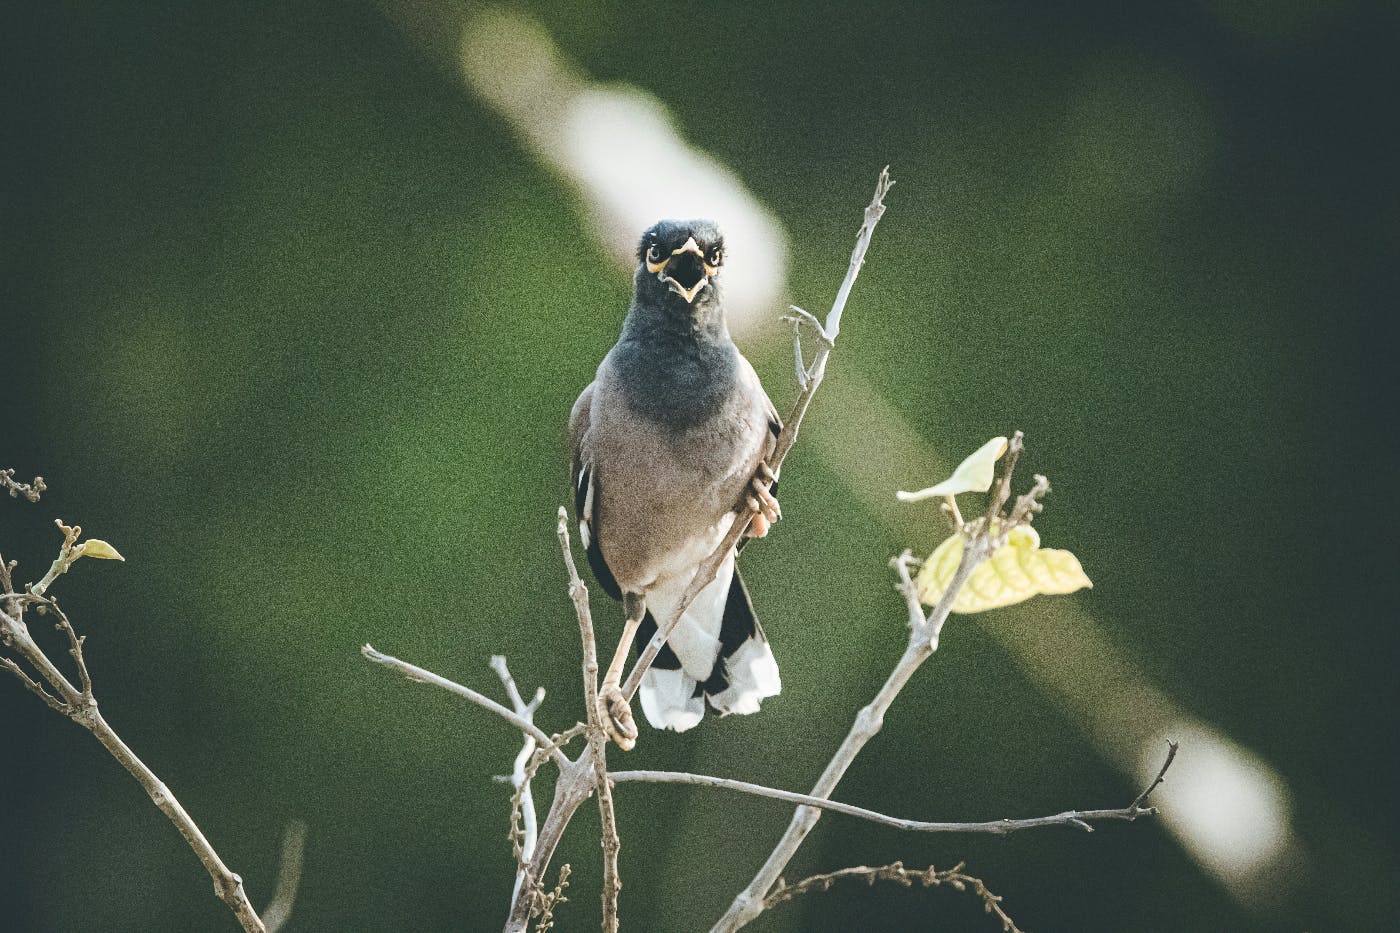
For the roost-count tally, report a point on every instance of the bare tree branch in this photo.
(954, 877)
(30, 491)
(907, 587)
(522, 801)
(1080, 819)
(574, 786)
(67, 554)
(30, 683)
(597, 737)
(983, 537)
(79, 704)
(424, 676)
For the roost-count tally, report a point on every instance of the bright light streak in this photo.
(1226, 806)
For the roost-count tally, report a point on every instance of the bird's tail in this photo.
(718, 653)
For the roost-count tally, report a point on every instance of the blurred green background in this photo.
(280, 320)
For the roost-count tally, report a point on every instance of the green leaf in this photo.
(96, 547)
(1019, 569)
(975, 474)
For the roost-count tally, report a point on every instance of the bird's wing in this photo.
(584, 481)
(749, 380)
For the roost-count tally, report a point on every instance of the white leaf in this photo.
(975, 474)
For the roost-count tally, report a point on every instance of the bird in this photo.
(669, 445)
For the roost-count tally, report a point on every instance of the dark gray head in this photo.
(678, 263)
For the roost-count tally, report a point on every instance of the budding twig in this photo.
(954, 877)
(77, 702)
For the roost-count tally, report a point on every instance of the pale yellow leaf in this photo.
(975, 474)
(1019, 569)
(96, 547)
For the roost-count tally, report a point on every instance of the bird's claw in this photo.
(616, 715)
(762, 502)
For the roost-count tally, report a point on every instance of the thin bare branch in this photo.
(1080, 819)
(954, 877)
(228, 886)
(1161, 777)
(907, 588)
(799, 365)
(75, 645)
(574, 786)
(1028, 505)
(30, 491)
(873, 212)
(1001, 490)
(597, 736)
(14, 633)
(33, 686)
(78, 704)
(67, 554)
(532, 766)
(424, 676)
(983, 537)
(522, 800)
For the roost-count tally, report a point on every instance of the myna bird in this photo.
(667, 445)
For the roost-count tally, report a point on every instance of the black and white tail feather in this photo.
(718, 653)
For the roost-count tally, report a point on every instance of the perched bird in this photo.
(667, 444)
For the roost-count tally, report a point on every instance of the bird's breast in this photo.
(668, 492)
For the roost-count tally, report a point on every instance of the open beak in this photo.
(686, 272)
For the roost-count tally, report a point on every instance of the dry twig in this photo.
(954, 877)
(423, 676)
(983, 537)
(524, 828)
(77, 702)
(597, 736)
(30, 491)
(1079, 819)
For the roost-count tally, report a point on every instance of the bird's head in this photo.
(680, 257)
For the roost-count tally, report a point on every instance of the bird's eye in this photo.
(715, 256)
(654, 253)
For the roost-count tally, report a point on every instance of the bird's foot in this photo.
(762, 502)
(616, 715)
